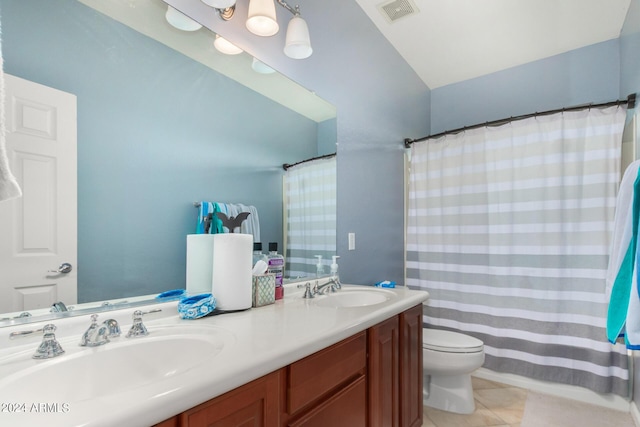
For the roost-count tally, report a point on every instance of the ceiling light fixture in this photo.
(298, 43)
(262, 21)
(261, 18)
(224, 8)
(260, 67)
(181, 21)
(225, 46)
(219, 4)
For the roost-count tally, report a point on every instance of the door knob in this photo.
(63, 269)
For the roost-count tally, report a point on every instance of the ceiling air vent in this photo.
(397, 9)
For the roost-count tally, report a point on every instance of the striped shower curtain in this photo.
(310, 216)
(509, 230)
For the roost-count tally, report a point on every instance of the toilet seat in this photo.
(450, 342)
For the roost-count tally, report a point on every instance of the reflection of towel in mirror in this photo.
(9, 188)
(204, 226)
(250, 226)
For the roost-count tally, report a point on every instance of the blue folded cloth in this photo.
(385, 284)
(196, 306)
(172, 295)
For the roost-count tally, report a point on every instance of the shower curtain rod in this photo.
(326, 156)
(630, 101)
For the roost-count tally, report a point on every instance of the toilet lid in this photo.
(450, 342)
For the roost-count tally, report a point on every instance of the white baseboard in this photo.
(562, 390)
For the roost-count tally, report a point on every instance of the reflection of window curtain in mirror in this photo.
(509, 230)
(310, 206)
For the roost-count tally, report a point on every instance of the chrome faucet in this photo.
(49, 347)
(58, 307)
(112, 327)
(336, 280)
(96, 334)
(333, 285)
(138, 329)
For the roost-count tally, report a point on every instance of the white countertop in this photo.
(264, 339)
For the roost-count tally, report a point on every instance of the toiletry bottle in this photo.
(334, 268)
(319, 266)
(257, 253)
(276, 266)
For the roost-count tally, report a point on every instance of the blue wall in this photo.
(156, 132)
(587, 75)
(380, 101)
(630, 51)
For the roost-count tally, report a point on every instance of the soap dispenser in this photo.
(334, 271)
(319, 266)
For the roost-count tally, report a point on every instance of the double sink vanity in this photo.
(349, 358)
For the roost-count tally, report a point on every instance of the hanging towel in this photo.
(204, 210)
(621, 278)
(9, 188)
(250, 226)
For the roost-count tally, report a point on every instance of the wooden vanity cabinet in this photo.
(384, 374)
(328, 388)
(254, 404)
(371, 379)
(395, 371)
(411, 408)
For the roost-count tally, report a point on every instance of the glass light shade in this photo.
(260, 67)
(181, 21)
(225, 46)
(297, 44)
(219, 4)
(261, 18)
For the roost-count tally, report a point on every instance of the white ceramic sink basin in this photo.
(356, 296)
(84, 373)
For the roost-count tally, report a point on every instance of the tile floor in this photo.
(497, 405)
(501, 405)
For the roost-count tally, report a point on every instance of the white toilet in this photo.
(449, 358)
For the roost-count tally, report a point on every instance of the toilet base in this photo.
(452, 393)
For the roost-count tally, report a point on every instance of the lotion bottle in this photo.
(319, 266)
(276, 266)
(334, 267)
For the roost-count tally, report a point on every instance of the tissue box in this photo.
(263, 290)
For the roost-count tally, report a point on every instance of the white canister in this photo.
(232, 270)
(199, 263)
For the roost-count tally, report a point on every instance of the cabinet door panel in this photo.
(411, 409)
(347, 408)
(384, 369)
(252, 405)
(318, 374)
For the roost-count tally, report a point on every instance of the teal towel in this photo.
(621, 291)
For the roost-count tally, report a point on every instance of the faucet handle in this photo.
(138, 329)
(307, 291)
(49, 347)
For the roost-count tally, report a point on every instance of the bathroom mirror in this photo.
(157, 131)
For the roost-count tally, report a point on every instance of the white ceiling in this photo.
(448, 41)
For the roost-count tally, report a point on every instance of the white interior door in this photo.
(38, 232)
